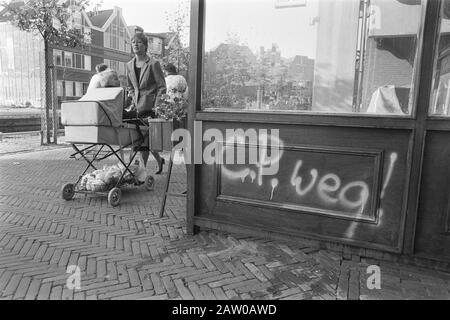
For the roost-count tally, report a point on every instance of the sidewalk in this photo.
(129, 252)
(11, 143)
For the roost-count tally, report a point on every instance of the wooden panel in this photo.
(336, 120)
(341, 183)
(160, 132)
(433, 230)
(447, 218)
(342, 151)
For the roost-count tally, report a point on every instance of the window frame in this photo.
(436, 58)
(413, 96)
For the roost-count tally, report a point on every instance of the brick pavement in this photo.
(11, 143)
(129, 252)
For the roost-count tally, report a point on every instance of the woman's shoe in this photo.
(161, 166)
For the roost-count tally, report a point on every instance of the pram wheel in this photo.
(114, 197)
(68, 191)
(150, 183)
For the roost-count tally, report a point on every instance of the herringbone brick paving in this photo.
(129, 252)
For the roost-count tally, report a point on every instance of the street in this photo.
(129, 252)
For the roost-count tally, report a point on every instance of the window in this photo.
(87, 34)
(87, 63)
(353, 56)
(78, 61)
(59, 88)
(69, 88)
(68, 57)
(116, 36)
(155, 45)
(57, 55)
(75, 20)
(72, 60)
(78, 89)
(107, 38)
(440, 105)
(85, 87)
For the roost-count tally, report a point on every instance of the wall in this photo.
(20, 67)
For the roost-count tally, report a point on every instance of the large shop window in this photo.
(440, 105)
(320, 56)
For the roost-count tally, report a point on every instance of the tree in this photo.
(50, 19)
(177, 50)
(229, 73)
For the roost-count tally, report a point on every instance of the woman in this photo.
(145, 86)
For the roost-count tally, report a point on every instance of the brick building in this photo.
(107, 40)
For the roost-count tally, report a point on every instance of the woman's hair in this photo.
(170, 68)
(101, 67)
(141, 37)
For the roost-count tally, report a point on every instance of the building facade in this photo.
(21, 55)
(107, 39)
(364, 168)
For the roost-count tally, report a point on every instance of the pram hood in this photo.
(99, 107)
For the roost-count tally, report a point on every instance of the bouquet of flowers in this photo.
(172, 105)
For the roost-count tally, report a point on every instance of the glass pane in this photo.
(78, 89)
(69, 88)
(441, 85)
(87, 63)
(68, 59)
(59, 88)
(321, 56)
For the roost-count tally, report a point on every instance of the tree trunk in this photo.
(45, 121)
(55, 115)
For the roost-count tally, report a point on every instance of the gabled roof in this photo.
(99, 18)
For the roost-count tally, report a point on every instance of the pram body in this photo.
(95, 122)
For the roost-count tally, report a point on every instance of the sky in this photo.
(266, 26)
(260, 23)
(149, 14)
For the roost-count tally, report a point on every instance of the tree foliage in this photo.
(228, 69)
(51, 20)
(48, 18)
(178, 52)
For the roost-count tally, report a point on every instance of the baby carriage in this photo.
(94, 128)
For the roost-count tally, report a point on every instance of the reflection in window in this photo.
(318, 55)
(440, 105)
